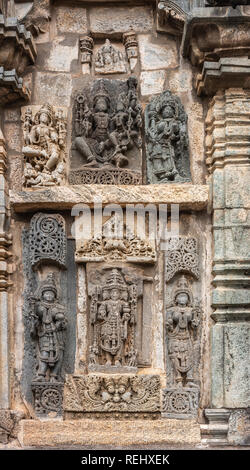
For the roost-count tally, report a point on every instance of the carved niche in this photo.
(109, 59)
(167, 140)
(44, 134)
(118, 393)
(113, 319)
(120, 318)
(115, 243)
(47, 239)
(47, 328)
(183, 329)
(45, 313)
(107, 134)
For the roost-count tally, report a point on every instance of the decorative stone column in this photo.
(17, 52)
(227, 148)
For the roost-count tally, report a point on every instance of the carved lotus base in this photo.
(104, 176)
(47, 398)
(180, 403)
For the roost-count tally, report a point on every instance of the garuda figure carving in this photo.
(183, 318)
(167, 140)
(113, 316)
(48, 327)
(107, 128)
(44, 149)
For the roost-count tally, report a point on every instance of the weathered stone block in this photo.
(56, 86)
(61, 57)
(152, 83)
(155, 56)
(71, 20)
(104, 21)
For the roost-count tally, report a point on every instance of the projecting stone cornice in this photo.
(188, 196)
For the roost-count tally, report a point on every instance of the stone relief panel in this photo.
(181, 256)
(167, 144)
(183, 324)
(44, 149)
(47, 239)
(117, 319)
(115, 243)
(48, 313)
(109, 59)
(48, 328)
(118, 393)
(107, 120)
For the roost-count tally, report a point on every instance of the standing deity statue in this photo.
(113, 316)
(44, 148)
(48, 327)
(167, 140)
(183, 318)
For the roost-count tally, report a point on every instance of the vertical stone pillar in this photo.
(4, 282)
(228, 149)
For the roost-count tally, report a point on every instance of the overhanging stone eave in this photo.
(188, 196)
(201, 16)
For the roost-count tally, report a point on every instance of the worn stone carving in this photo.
(44, 132)
(131, 45)
(47, 240)
(86, 44)
(108, 246)
(48, 328)
(125, 394)
(109, 59)
(113, 317)
(167, 140)
(183, 317)
(37, 19)
(107, 128)
(181, 256)
(48, 398)
(17, 51)
(8, 424)
(171, 16)
(181, 403)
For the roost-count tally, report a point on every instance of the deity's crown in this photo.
(101, 92)
(45, 109)
(49, 284)
(115, 280)
(183, 287)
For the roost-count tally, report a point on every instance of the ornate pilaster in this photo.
(227, 148)
(5, 283)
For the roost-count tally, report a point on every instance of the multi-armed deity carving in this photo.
(167, 140)
(113, 317)
(109, 59)
(107, 133)
(44, 131)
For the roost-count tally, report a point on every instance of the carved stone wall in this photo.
(106, 103)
